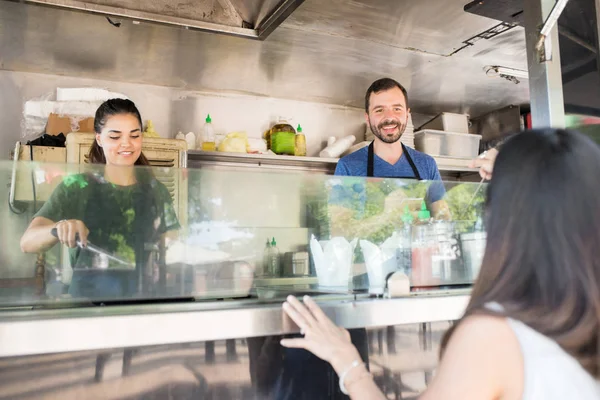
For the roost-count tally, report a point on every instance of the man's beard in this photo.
(378, 130)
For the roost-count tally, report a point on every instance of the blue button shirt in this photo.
(355, 164)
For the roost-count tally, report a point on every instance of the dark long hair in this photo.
(106, 110)
(542, 260)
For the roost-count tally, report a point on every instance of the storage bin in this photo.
(449, 122)
(447, 144)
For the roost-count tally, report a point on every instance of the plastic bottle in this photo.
(283, 138)
(180, 136)
(274, 270)
(190, 138)
(423, 246)
(300, 149)
(208, 143)
(264, 268)
(404, 251)
(337, 148)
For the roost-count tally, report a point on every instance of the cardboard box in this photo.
(62, 124)
(86, 125)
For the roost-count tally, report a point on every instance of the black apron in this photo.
(371, 159)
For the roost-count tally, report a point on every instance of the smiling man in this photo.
(387, 112)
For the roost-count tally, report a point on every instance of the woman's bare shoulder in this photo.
(483, 358)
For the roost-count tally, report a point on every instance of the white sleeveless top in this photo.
(550, 372)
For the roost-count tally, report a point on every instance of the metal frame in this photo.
(545, 80)
(204, 159)
(55, 331)
(549, 24)
(261, 32)
(211, 159)
(597, 16)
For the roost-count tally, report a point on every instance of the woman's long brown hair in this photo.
(106, 110)
(542, 259)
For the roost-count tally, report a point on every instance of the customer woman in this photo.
(119, 208)
(531, 329)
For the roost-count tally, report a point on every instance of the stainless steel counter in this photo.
(30, 332)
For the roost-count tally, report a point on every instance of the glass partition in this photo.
(204, 234)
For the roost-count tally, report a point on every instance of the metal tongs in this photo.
(94, 249)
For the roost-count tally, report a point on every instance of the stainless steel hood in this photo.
(254, 19)
(326, 51)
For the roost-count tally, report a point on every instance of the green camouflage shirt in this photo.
(121, 219)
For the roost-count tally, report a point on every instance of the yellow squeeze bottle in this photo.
(208, 143)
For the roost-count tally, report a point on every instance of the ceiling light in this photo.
(494, 70)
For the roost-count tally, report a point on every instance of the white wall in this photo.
(173, 110)
(16, 88)
(255, 115)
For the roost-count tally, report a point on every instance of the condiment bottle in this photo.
(300, 148)
(208, 143)
(274, 270)
(423, 247)
(404, 251)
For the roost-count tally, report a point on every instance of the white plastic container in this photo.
(338, 147)
(447, 144)
(190, 138)
(449, 122)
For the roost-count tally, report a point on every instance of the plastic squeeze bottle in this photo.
(264, 268)
(423, 247)
(300, 148)
(208, 143)
(274, 270)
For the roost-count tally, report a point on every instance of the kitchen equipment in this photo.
(96, 249)
(449, 144)
(224, 279)
(458, 123)
(473, 250)
(446, 259)
(296, 264)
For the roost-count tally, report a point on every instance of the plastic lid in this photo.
(407, 216)
(273, 243)
(299, 129)
(424, 214)
(208, 119)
